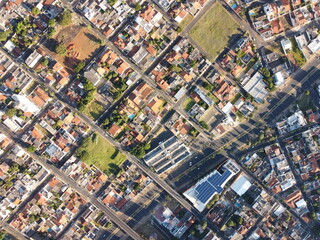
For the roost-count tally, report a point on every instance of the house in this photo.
(33, 59)
(114, 130)
(255, 87)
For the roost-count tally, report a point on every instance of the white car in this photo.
(190, 164)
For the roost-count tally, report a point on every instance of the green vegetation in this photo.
(179, 29)
(10, 112)
(140, 150)
(95, 150)
(193, 132)
(65, 18)
(44, 61)
(305, 102)
(213, 97)
(297, 54)
(88, 96)
(137, 7)
(35, 11)
(236, 98)
(4, 35)
(214, 29)
(94, 110)
(235, 220)
(79, 66)
(31, 148)
(188, 104)
(60, 49)
(207, 86)
(186, 21)
(204, 124)
(212, 201)
(51, 31)
(265, 72)
(118, 82)
(52, 22)
(2, 235)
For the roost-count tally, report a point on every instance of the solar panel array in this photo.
(211, 186)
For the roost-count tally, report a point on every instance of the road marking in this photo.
(251, 128)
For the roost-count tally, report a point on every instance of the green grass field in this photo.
(97, 151)
(214, 29)
(94, 110)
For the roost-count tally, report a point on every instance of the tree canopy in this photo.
(60, 49)
(65, 18)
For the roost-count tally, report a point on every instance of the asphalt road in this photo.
(71, 183)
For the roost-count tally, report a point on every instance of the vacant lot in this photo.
(97, 151)
(81, 45)
(213, 31)
(186, 21)
(94, 110)
(188, 104)
(305, 102)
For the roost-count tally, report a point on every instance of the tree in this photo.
(61, 49)
(35, 11)
(265, 71)
(179, 29)
(52, 22)
(108, 225)
(137, 7)
(111, 2)
(204, 125)
(4, 35)
(204, 224)
(51, 31)
(207, 86)
(44, 61)
(231, 223)
(31, 148)
(313, 215)
(307, 92)
(79, 67)
(65, 18)
(11, 112)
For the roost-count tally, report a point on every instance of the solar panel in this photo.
(211, 186)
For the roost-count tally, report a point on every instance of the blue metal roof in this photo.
(213, 185)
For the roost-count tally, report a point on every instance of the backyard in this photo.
(214, 30)
(188, 104)
(97, 151)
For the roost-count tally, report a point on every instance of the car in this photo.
(190, 164)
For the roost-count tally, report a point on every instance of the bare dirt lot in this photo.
(81, 44)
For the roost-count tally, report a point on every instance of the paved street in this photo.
(55, 171)
(214, 152)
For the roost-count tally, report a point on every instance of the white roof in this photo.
(279, 78)
(227, 108)
(180, 93)
(256, 87)
(9, 45)
(241, 185)
(281, 209)
(23, 103)
(301, 203)
(314, 46)
(14, 127)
